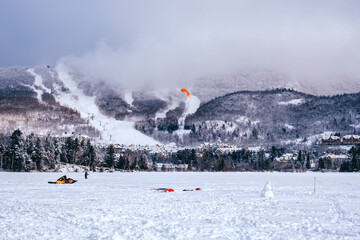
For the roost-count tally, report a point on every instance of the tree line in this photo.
(34, 153)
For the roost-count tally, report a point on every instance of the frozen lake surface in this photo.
(122, 206)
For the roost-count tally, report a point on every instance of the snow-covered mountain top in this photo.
(205, 88)
(210, 87)
(59, 96)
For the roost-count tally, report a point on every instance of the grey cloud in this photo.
(157, 43)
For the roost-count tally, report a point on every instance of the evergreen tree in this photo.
(76, 149)
(89, 154)
(134, 165)
(92, 155)
(69, 150)
(355, 158)
(321, 163)
(57, 151)
(37, 155)
(63, 156)
(30, 143)
(260, 158)
(308, 165)
(51, 161)
(2, 151)
(47, 144)
(15, 155)
(254, 134)
(110, 156)
(121, 162)
(221, 165)
(143, 164)
(346, 167)
(193, 158)
(273, 153)
(30, 146)
(267, 164)
(299, 160)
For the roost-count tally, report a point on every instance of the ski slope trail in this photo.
(113, 131)
(38, 87)
(191, 105)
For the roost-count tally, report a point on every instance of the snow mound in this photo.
(267, 192)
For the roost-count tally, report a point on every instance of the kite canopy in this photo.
(187, 92)
(64, 179)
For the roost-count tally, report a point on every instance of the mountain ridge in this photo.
(242, 117)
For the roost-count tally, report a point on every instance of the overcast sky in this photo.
(149, 40)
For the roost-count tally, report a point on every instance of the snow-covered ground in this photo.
(122, 206)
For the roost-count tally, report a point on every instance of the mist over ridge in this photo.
(142, 44)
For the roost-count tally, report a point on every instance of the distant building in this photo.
(346, 140)
(332, 140)
(351, 139)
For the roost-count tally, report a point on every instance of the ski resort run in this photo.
(113, 130)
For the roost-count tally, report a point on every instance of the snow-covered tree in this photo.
(110, 156)
(15, 154)
(143, 163)
(38, 154)
(122, 162)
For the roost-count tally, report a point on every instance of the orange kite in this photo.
(187, 92)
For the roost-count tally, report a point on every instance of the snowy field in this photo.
(122, 206)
